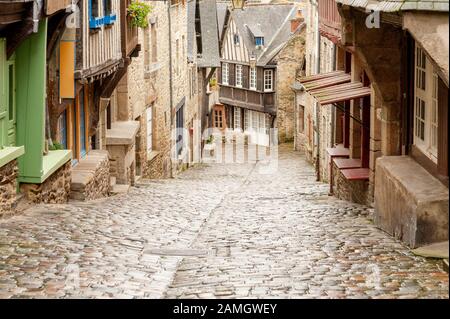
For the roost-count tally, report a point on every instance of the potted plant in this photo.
(138, 12)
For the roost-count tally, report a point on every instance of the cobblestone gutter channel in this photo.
(215, 231)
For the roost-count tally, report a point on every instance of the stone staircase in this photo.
(91, 177)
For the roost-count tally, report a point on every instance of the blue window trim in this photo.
(259, 41)
(97, 22)
(110, 19)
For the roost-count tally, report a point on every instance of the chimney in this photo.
(295, 22)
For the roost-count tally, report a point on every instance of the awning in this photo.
(333, 87)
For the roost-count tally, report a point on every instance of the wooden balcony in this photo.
(129, 32)
(253, 100)
(329, 20)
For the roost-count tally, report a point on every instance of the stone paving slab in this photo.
(216, 231)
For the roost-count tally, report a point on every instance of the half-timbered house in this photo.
(251, 42)
(92, 52)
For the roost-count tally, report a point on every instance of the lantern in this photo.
(238, 4)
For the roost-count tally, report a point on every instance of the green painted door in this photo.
(7, 98)
(11, 100)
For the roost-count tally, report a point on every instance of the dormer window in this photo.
(259, 41)
(236, 39)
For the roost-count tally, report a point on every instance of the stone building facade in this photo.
(375, 132)
(290, 63)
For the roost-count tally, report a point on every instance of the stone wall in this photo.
(289, 62)
(55, 189)
(159, 163)
(353, 191)
(91, 177)
(8, 187)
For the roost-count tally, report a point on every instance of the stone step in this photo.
(90, 176)
(120, 189)
(436, 250)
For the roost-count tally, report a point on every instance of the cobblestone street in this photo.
(216, 231)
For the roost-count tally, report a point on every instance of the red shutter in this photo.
(442, 128)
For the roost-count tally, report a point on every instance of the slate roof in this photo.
(222, 8)
(399, 5)
(191, 30)
(210, 35)
(270, 20)
(210, 56)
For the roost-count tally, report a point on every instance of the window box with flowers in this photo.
(138, 12)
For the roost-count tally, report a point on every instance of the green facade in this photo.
(7, 98)
(31, 66)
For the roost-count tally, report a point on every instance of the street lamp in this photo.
(238, 4)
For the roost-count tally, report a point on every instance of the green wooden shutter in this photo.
(3, 109)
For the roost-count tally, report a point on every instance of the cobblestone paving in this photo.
(219, 231)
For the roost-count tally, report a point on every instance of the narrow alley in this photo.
(214, 231)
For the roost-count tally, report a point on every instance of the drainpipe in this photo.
(333, 109)
(170, 77)
(317, 139)
(170, 63)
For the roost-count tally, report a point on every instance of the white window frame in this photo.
(237, 119)
(225, 73)
(252, 80)
(425, 105)
(268, 80)
(238, 75)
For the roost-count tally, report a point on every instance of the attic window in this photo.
(259, 41)
(236, 39)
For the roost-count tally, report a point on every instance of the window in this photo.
(238, 75)
(237, 118)
(146, 49)
(149, 112)
(268, 80)
(425, 105)
(236, 39)
(259, 41)
(252, 78)
(180, 130)
(62, 125)
(107, 7)
(301, 119)
(153, 42)
(218, 118)
(177, 61)
(225, 75)
(95, 21)
(246, 119)
(11, 93)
